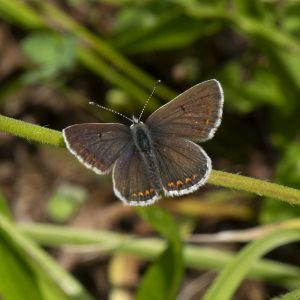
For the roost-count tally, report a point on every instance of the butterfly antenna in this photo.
(110, 110)
(154, 88)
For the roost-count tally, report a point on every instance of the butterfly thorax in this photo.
(141, 137)
(143, 141)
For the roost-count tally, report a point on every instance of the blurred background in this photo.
(56, 56)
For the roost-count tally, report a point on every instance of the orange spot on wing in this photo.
(179, 182)
(188, 179)
(170, 184)
(143, 194)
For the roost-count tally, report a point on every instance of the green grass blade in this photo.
(20, 13)
(45, 266)
(294, 295)
(17, 278)
(4, 209)
(231, 276)
(195, 257)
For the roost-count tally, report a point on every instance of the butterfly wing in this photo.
(131, 181)
(184, 166)
(195, 114)
(97, 145)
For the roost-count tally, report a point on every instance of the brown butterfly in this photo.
(158, 157)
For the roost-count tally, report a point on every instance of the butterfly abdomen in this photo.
(143, 142)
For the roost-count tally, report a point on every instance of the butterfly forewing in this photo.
(131, 179)
(97, 145)
(194, 114)
(184, 166)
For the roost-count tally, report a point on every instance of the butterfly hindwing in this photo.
(97, 145)
(184, 166)
(131, 180)
(194, 114)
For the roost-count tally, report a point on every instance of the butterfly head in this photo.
(135, 120)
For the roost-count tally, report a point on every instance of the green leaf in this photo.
(17, 278)
(168, 28)
(44, 278)
(165, 274)
(230, 76)
(264, 88)
(48, 288)
(179, 33)
(254, 8)
(4, 209)
(294, 295)
(291, 21)
(50, 52)
(246, 95)
(233, 274)
(65, 202)
(290, 64)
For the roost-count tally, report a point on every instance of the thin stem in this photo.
(219, 178)
(31, 132)
(256, 186)
(79, 240)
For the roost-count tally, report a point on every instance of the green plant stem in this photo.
(203, 258)
(256, 186)
(259, 187)
(31, 132)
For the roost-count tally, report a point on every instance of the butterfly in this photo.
(158, 157)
